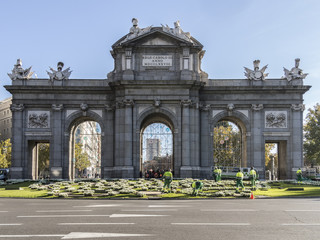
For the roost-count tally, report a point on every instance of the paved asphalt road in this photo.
(160, 219)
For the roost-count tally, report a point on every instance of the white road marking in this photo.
(48, 216)
(75, 224)
(46, 204)
(3, 211)
(77, 235)
(98, 206)
(135, 215)
(302, 210)
(10, 224)
(228, 210)
(167, 206)
(300, 224)
(30, 236)
(213, 224)
(150, 210)
(47, 211)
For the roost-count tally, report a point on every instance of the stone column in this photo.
(205, 162)
(197, 135)
(128, 139)
(296, 139)
(186, 170)
(107, 146)
(56, 148)
(118, 143)
(17, 170)
(257, 138)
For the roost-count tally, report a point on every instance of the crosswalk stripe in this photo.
(48, 216)
(213, 224)
(135, 215)
(76, 224)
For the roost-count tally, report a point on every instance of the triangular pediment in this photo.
(155, 37)
(158, 41)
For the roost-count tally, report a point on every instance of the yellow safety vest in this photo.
(239, 175)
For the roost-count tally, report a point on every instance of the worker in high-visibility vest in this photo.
(299, 175)
(215, 174)
(197, 185)
(219, 174)
(167, 177)
(239, 180)
(253, 177)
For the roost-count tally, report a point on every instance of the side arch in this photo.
(243, 123)
(71, 123)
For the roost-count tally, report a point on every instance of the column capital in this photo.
(109, 107)
(204, 107)
(186, 103)
(298, 107)
(17, 107)
(256, 107)
(57, 107)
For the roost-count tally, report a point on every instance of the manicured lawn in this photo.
(281, 190)
(124, 189)
(25, 193)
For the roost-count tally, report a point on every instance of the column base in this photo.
(189, 172)
(118, 172)
(56, 173)
(16, 173)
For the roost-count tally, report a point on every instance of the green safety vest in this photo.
(299, 171)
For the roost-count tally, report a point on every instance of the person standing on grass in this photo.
(253, 177)
(215, 174)
(168, 177)
(299, 175)
(239, 180)
(219, 174)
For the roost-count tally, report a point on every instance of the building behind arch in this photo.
(157, 77)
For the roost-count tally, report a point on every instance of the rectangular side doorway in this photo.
(276, 160)
(39, 160)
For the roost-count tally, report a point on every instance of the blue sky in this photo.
(233, 32)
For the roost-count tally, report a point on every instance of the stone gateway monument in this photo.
(158, 79)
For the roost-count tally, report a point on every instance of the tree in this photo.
(82, 159)
(312, 136)
(5, 153)
(268, 151)
(227, 144)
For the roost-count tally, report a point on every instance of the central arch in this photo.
(156, 145)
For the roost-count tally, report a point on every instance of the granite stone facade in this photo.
(157, 77)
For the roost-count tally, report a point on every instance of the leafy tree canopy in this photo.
(82, 158)
(5, 153)
(312, 136)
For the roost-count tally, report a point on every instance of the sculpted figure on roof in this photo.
(19, 73)
(135, 31)
(177, 31)
(295, 73)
